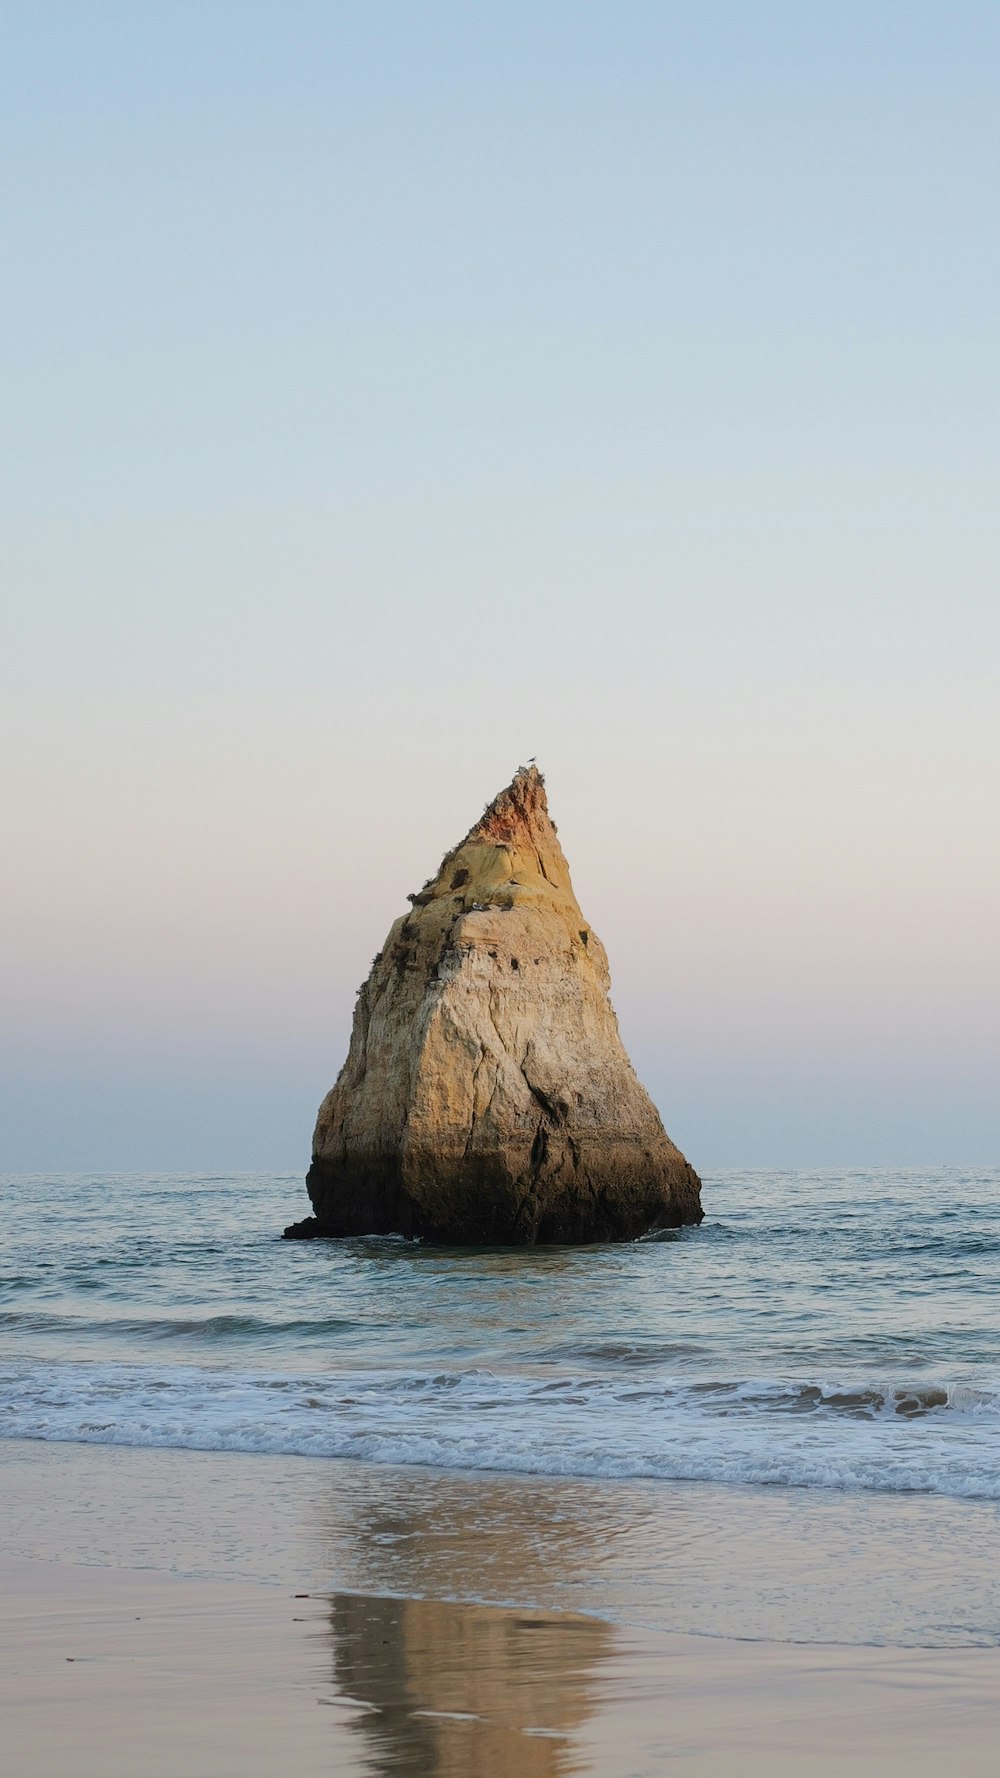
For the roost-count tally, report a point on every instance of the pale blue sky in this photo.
(394, 391)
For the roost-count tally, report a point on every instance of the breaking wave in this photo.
(895, 1437)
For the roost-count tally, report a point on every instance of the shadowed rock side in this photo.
(486, 1096)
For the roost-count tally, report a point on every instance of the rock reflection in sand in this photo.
(451, 1690)
(503, 1540)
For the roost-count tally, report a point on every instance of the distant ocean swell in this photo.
(890, 1437)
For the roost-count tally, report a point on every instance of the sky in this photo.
(394, 392)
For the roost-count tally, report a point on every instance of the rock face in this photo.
(486, 1096)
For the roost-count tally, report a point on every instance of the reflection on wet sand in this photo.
(108, 1673)
(449, 1691)
(425, 1533)
(453, 1689)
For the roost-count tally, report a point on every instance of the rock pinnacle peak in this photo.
(522, 806)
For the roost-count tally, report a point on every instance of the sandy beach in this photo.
(119, 1671)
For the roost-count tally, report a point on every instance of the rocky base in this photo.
(306, 1230)
(477, 1207)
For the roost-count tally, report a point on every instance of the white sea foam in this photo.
(847, 1435)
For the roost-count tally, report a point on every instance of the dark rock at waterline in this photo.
(306, 1230)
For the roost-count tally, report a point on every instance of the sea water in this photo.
(806, 1385)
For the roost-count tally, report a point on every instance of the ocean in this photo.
(784, 1423)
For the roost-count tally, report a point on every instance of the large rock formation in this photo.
(486, 1096)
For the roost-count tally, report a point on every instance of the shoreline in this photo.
(115, 1669)
(770, 1565)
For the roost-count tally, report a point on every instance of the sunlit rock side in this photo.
(486, 1095)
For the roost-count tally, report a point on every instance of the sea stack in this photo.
(486, 1096)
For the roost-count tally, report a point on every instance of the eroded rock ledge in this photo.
(486, 1095)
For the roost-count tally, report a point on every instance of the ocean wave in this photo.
(167, 1327)
(898, 1437)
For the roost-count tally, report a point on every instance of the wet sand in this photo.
(109, 1673)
